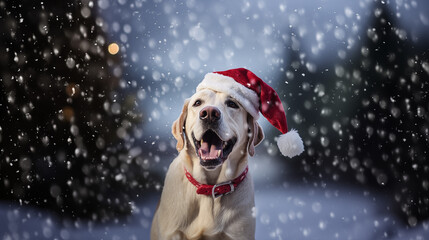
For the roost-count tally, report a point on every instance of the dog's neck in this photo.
(229, 170)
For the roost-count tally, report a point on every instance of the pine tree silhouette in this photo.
(390, 132)
(63, 117)
(367, 120)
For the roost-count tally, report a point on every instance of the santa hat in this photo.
(256, 96)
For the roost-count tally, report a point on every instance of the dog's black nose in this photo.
(210, 114)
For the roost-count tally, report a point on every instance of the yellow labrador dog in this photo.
(208, 192)
(214, 135)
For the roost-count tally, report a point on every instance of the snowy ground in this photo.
(286, 211)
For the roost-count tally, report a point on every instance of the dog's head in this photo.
(214, 128)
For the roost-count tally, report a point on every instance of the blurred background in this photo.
(90, 88)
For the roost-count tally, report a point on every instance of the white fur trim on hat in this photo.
(221, 83)
(290, 144)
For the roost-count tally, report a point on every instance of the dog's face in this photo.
(217, 129)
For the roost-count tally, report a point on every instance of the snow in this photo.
(287, 210)
(88, 96)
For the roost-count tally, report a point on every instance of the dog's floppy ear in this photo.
(178, 125)
(256, 135)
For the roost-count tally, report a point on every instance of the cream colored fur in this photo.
(182, 213)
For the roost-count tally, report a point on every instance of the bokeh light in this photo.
(113, 48)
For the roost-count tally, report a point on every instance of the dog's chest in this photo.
(211, 219)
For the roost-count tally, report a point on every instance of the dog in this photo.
(215, 136)
(208, 192)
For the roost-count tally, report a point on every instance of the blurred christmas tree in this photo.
(66, 119)
(366, 118)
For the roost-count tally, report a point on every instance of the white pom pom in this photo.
(290, 144)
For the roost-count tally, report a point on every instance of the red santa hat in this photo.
(256, 96)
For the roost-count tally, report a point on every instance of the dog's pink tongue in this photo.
(208, 151)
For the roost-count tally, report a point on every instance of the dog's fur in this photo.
(184, 214)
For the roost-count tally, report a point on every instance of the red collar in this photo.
(219, 189)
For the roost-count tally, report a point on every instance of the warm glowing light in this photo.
(67, 114)
(113, 48)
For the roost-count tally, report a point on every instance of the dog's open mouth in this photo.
(212, 150)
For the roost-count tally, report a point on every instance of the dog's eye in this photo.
(197, 103)
(231, 104)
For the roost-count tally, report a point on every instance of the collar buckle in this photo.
(216, 195)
